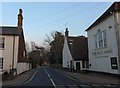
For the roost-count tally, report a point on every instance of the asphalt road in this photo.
(48, 77)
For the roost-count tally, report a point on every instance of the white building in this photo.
(75, 52)
(8, 48)
(104, 41)
(13, 58)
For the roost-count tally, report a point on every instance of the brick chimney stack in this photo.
(20, 19)
(66, 32)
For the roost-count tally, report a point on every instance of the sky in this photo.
(41, 18)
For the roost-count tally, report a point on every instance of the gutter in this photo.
(13, 52)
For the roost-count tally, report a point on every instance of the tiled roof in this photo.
(9, 31)
(78, 47)
(115, 7)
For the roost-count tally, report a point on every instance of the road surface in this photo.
(46, 77)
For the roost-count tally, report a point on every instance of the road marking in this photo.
(70, 77)
(53, 83)
(50, 78)
(46, 71)
(84, 85)
(29, 79)
(96, 85)
(48, 75)
(73, 86)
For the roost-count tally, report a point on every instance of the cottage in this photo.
(9, 38)
(12, 48)
(104, 41)
(75, 52)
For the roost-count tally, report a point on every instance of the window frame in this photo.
(1, 63)
(2, 42)
(114, 65)
(100, 39)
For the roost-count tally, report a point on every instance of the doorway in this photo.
(77, 65)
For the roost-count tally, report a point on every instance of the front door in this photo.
(71, 64)
(77, 65)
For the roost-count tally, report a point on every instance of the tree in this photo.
(27, 47)
(56, 45)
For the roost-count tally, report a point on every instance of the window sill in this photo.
(101, 48)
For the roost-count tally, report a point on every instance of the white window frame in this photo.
(2, 42)
(1, 63)
(100, 39)
(104, 38)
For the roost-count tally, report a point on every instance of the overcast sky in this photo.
(41, 18)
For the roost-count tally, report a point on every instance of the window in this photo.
(2, 42)
(100, 39)
(96, 43)
(104, 38)
(68, 64)
(114, 63)
(1, 63)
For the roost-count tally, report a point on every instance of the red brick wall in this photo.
(21, 50)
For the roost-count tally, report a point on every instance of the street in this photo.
(51, 78)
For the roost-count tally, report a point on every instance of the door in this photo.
(77, 65)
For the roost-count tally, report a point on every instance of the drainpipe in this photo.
(13, 52)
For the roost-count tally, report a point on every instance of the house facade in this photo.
(13, 57)
(9, 38)
(75, 54)
(104, 41)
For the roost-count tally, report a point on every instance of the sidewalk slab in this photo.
(20, 78)
(92, 78)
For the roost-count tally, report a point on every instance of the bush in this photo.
(59, 66)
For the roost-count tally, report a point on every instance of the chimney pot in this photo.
(66, 32)
(20, 19)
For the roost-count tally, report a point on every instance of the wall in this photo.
(66, 55)
(118, 16)
(22, 67)
(7, 52)
(101, 61)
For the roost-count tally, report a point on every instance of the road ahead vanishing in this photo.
(51, 78)
(46, 77)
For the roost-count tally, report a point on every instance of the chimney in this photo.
(20, 19)
(66, 32)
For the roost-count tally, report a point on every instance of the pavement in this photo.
(20, 78)
(94, 78)
(90, 78)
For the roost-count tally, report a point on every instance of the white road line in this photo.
(107, 85)
(84, 85)
(96, 85)
(48, 75)
(46, 71)
(50, 78)
(53, 83)
(72, 85)
(29, 79)
(70, 77)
